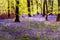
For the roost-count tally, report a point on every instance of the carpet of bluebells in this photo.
(30, 29)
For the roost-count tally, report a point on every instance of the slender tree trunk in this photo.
(44, 8)
(28, 5)
(47, 11)
(52, 6)
(32, 4)
(8, 10)
(44, 12)
(37, 6)
(41, 6)
(58, 16)
(17, 12)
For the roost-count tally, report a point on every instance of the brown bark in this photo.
(44, 12)
(58, 16)
(17, 12)
(8, 10)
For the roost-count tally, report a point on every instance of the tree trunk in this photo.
(44, 8)
(58, 16)
(28, 5)
(37, 6)
(8, 10)
(45, 13)
(52, 6)
(41, 7)
(32, 5)
(17, 12)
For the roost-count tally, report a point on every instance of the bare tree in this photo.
(58, 16)
(17, 11)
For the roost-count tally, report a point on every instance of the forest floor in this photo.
(33, 18)
(30, 28)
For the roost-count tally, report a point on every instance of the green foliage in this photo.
(3, 38)
(25, 37)
(23, 9)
